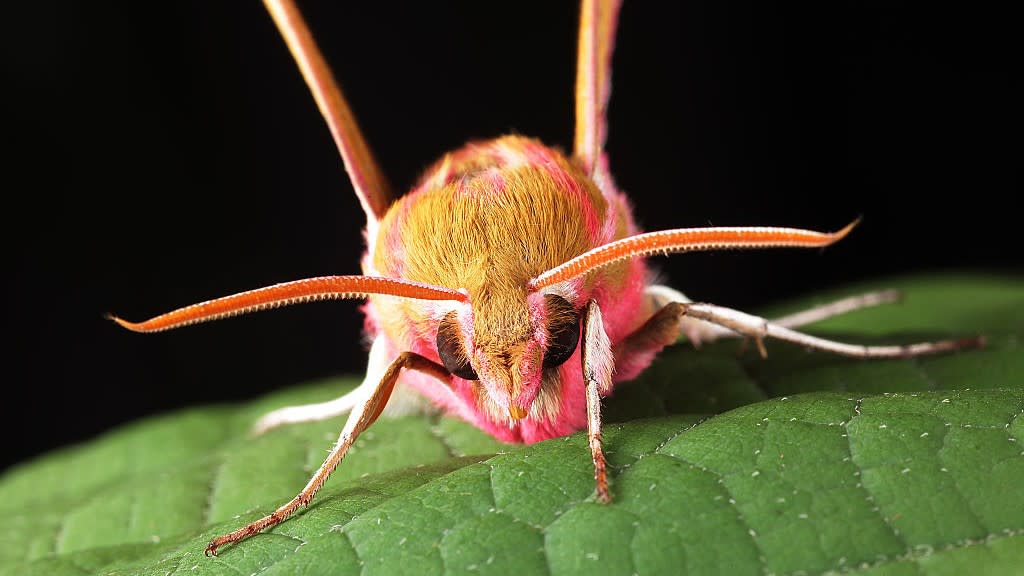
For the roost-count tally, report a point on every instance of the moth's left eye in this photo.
(563, 330)
(450, 350)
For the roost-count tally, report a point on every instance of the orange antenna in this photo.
(369, 182)
(687, 240)
(288, 293)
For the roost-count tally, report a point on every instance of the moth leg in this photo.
(308, 412)
(838, 308)
(678, 314)
(376, 366)
(598, 364)
(759, 328)
(828, 310)
(698, 331)
(363, 415)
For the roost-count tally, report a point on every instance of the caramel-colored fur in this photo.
(465, 234)
(482, 222)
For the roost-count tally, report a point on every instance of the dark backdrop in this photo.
(170, 153)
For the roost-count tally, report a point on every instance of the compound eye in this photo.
(451, 350)
(563, 330)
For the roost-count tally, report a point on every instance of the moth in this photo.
(509, 287)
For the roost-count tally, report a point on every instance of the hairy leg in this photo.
(664, 326)
(759, 328)
(598, 364)
(376, 366)
(698, 331)
(363, 414)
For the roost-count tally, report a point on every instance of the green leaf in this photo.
(811, 464)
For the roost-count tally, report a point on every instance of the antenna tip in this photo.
(847, 229)
(856, 222)
(122, 323)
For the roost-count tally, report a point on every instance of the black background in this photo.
(167, 153)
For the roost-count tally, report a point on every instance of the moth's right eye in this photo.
(451, 351)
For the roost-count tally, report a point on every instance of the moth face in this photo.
(514, 360)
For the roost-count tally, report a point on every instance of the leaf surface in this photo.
(721, 464)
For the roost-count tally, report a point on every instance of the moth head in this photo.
(513, 355)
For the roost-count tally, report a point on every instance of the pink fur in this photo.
(619, 297)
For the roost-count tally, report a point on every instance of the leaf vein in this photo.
(214, 486)
(919, 553)
(58, 537)
(1009, 423)
(861, 469)
(730, 500)
(434, 428)
(956, 484)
